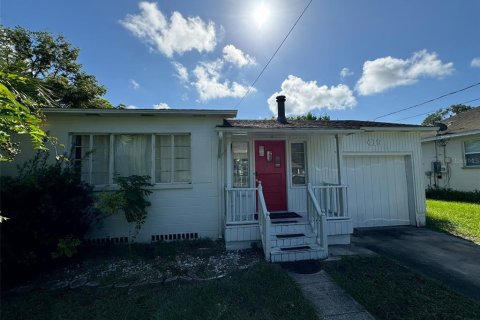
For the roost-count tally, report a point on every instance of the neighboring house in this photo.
(451, 158)
(293, 186)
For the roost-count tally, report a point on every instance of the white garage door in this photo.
(377, 190)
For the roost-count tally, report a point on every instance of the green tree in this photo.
(53, 61)
(443, 114)
(311, 117)
(19, 113)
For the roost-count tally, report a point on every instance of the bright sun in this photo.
(261, 14)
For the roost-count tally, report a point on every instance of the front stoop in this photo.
(294, 240)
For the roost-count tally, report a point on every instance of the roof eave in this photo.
(400, 129)
(140, 112)
(285, 130)
(451, 135)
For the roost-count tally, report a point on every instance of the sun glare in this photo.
(261, 14)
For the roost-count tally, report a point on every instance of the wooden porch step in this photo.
(298, 253)
(292, 239)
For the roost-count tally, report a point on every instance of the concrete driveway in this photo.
(451, 260)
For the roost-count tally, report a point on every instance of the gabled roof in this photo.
(318, 125)
(462, 122)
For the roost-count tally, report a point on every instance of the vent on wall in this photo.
(102, 241)
(174, 236)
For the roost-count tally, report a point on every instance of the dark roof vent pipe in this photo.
(281, 109)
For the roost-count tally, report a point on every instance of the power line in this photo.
(428, 101)
(422, 114)
(273, 55)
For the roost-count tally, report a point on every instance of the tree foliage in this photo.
(446, 113)
(19, 114)
(310, 117)
(53, 61)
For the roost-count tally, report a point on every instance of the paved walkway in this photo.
(448, 259)
(331, 302)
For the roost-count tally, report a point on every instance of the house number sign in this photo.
(373, 142)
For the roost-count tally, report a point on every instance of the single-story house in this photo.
(451, 157)
(294, 187)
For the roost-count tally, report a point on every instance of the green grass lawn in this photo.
(458, 218)
(390, 291)
(263, 291)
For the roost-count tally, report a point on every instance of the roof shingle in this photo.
(311, 124)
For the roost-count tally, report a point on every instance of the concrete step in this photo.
(297, 253)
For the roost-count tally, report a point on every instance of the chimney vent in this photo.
(281, 109)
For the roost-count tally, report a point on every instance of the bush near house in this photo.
(453, 195)
(48, 209)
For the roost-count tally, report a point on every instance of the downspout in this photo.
(339, 175)
(220, 184)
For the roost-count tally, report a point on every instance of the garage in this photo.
(378, 189)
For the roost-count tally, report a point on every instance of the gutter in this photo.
(141, 112)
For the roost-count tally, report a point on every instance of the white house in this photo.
(451, 158)
(293, 186)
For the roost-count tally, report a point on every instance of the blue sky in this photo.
(205, 54)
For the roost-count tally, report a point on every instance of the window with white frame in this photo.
(472, 153)
(297, 152)
(241, 165)
(173, 159)
(165, 157)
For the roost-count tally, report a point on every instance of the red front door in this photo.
(270, 170)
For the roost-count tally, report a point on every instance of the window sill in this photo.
(165, 186)
(471, 167)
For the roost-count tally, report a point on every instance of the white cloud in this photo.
(475, 62)
(303, 96)
(135, 85)
(131, 107)
(177, 35)
(237, 56)
(210, 86)
(388, 72)
(161, 105)
(182, 72)
(345, 72)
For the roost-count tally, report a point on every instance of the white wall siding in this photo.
(458, 176)
(336, 227)
(184, 208)
(297, 199)
(401, 144)
(322, 159)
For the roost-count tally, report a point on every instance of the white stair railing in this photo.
(264, 222)
(317, 219)
(241, 205)
(332, 200)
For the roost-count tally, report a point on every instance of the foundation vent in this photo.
(174, 236)
(107, 240)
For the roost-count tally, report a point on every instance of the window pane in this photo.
(298, 163)
(472, 146)
(132, 154)
(100, 159)
(163, 159)
(241, 166)
(182, 158)
(80, 153)
(472, 159)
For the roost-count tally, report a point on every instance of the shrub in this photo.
(130, 199)
(453, 195)
(46, 204)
